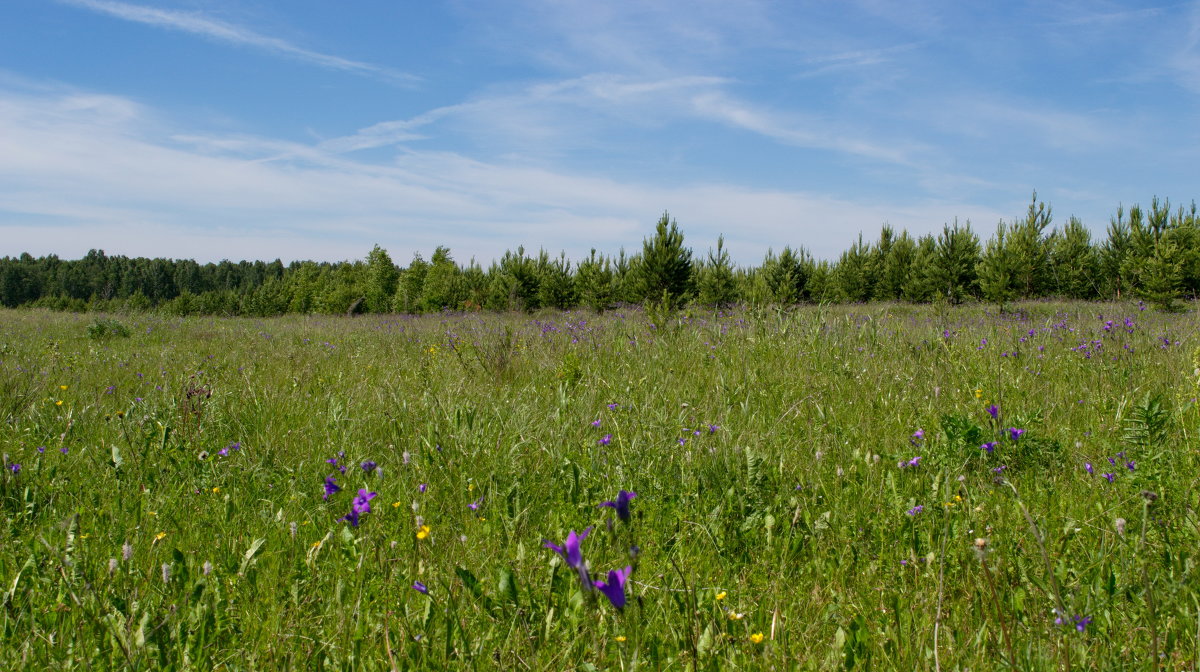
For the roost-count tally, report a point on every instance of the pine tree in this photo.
(997, 269)
(664, 276)
(1074, 262)
(715, 286)
(955, 263)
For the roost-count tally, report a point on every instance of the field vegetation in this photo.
(881, 486)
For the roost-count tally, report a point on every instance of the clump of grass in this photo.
(105, 328)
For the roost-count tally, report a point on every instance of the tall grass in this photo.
(169, 508)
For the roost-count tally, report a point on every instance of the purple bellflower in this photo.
(420, 588)
(621, 504)
(570, 549)
(1014, 433)
(994, 411)
(361, 505)
(989, 446)
(614, 588)
(331, 487)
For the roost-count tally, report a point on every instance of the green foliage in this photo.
(107, 327)
(953, 272)
(715, 283)
(664, 273)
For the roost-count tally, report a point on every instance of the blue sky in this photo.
(306, 129)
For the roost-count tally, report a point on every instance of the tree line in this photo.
(1151, 253)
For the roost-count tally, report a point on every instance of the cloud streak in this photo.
(198, 24)
(67, 185)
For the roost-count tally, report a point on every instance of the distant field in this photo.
(810, 488)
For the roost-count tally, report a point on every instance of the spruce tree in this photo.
(715, 285)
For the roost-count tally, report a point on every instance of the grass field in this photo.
(817, 489)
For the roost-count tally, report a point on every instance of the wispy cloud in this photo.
(68, 184)
(198, 24)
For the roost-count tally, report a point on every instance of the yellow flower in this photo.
(160, 536)
(58, 403)
(216, 489)
(317, 544)
(423, 532)
(62, 387)
(720, 595)
(620, 638)
(152, 513)
(395, 505)
(978, 393)
(757, 638)
(735, 616)
(470, 487)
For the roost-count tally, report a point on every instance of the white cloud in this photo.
(68, 184)
(198, 24)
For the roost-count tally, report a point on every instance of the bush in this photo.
(107, 328)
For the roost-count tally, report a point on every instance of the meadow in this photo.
(875, 486)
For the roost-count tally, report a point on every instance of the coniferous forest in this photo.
(1149, 253)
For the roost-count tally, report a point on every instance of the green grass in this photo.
(787, 522)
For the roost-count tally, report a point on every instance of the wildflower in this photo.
(613, 406)
(614, 588)
(570, 549)
(41, 449)
(420, 588)
(62, 387)
(160, 536)
(112, 566)
(1014, 433)
(915, 510)
(1109, 476)
(1131, 465)
(917, 437)
(989, 446)
(422, 487)
(224, 452)
(1087, 466)
(360, 505)
(978, 393)
(206, 568)
(1081, 622)
(1119, 523)
(474, 506)
(605, 440)
(736, 616)
(126, 551)
(423, 532)
(911, 463)
(15, 468)
(994, 411)
(166, 572)
(756, 638)
(621, 504)
(368, 466)
(596, 422)
(712, 429)
(720, 596)
(619, 638)
(331, 487)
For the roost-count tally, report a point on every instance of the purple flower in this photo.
(911, 463)
(64, 450)
(613, 406)
(605, 440)
(1087, 466)
(989, 446)
(368, 466)
(621, 504)
(1131, 465)
(362, 503)
(1081, 622)
(474, 506)
(1000, 468)
(1109, 477)
(712, 429)
(915, 510)
(422, 487)
(331, 487)
(1014, 433)
(15, 468)
(570, 549)
(917, 437)
(41, 449)
(420, 588)
(596, 422)
(994, 411)
(224, 452)
(614, 589)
